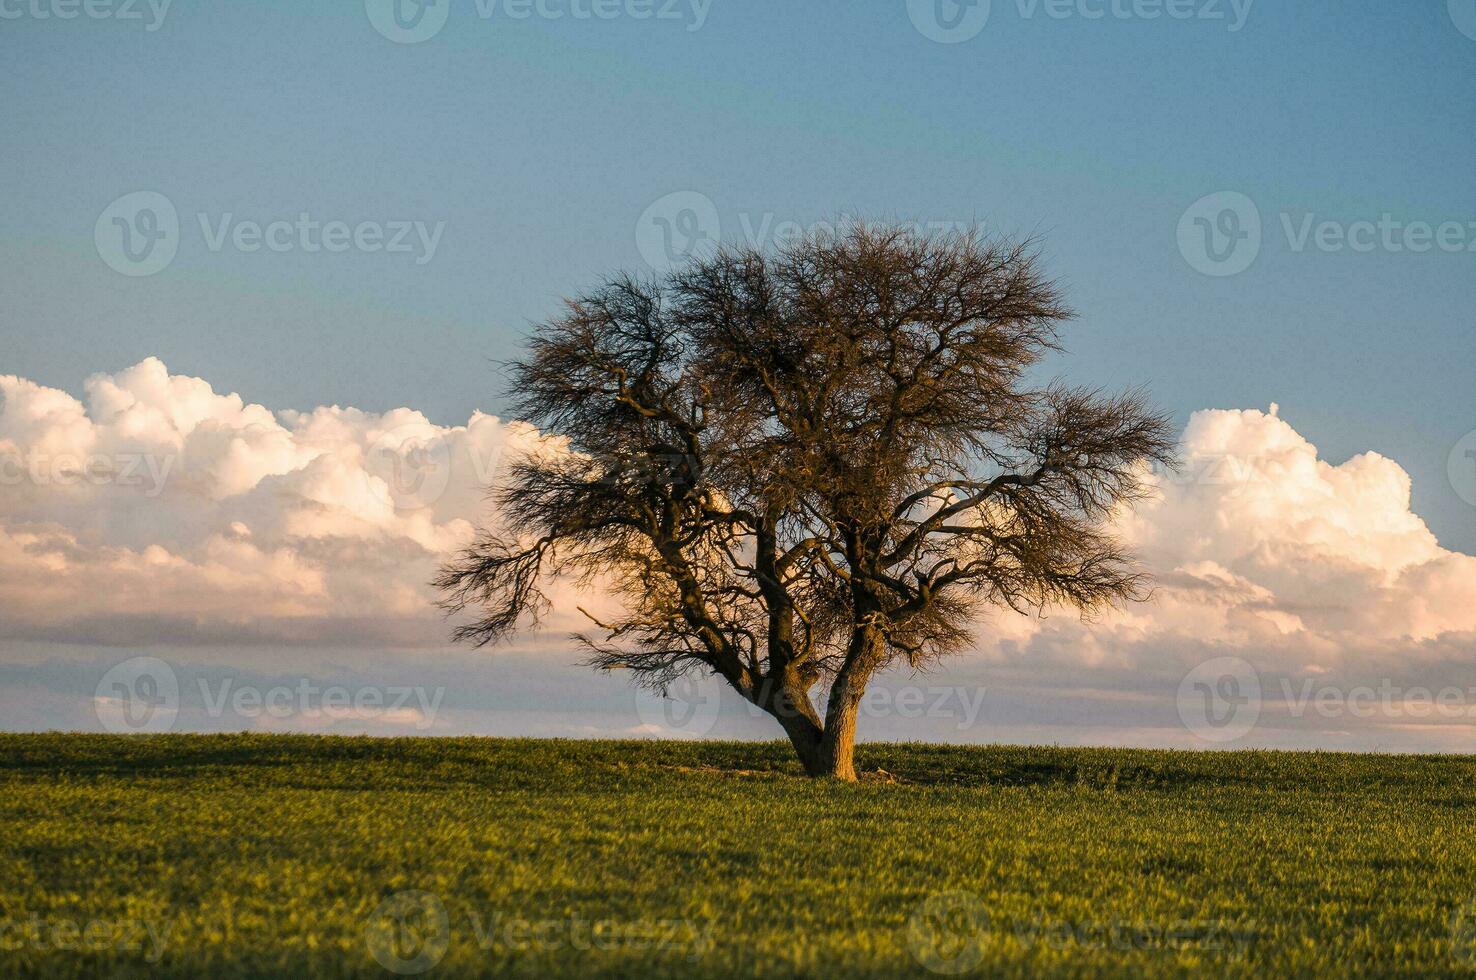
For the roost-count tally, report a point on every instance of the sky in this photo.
(1250, 204)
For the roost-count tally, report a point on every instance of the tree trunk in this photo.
(838, 744)
(788, 701)
(836, 756)
(806, 741)
(825, 749)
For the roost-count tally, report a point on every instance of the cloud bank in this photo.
(155, 510)
(1261, 549)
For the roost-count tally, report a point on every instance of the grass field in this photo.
(267, 855)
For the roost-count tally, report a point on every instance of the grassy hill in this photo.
(261, 855)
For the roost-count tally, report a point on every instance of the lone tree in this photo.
(800, 468)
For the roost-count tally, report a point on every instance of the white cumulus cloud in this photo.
(1260, 547)
(159, 507)
(156, 509)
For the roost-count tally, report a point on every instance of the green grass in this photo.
(268, 855)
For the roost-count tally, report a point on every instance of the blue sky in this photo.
(539, 143)
(529, 156)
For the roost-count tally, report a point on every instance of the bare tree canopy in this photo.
(798, 469)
